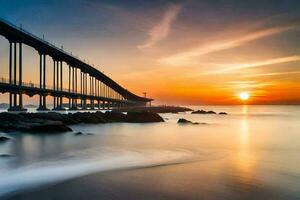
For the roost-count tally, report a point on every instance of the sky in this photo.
(185, 52)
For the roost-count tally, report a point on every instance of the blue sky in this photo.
(195, 44)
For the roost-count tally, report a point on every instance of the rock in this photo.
(223, 113)
(100, 116)
(52, 116)
(89, 118)
(4, 139)
(184, 121)
(143, 117)
(10, 117)
(115, 116)
(56, 122)
(198, 123)
(6, 156)
(49, 126)
(78, 133)
(81, 133)
(203, 112)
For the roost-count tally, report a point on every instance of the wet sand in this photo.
(177, 181)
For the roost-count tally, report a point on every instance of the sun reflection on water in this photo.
(245, 163)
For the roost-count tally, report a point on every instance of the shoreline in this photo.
(57, 122)
(66, 189)
(97, 185)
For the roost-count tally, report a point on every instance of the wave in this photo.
(49, 172)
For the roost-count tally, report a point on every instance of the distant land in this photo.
(6, 106)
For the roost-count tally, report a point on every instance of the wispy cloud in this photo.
(247, 84)
(227, 68)
(161, 30)
(273, 74)
(186, 57)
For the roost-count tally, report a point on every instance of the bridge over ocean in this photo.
(88, 88)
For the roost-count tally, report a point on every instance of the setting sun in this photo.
(244, 96)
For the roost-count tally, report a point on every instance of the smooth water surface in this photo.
(252, 153)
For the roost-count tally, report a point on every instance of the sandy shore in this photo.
(192, 181)
(112, 185)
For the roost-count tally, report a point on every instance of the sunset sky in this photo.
(179, 52)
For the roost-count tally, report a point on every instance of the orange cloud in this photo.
(273, 74)
(227, 68)
(186, 57)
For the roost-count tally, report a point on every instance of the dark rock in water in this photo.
(223, 113)
(143, 117)
(78, 133)
(184, 121)
(115, 116)
(89, 118)
(6, 156)
(4, 139)
(198, 123)
(50, 116)
(100, 116)
(203, 112)
(56, 122)
(81, 133)
(50, 126)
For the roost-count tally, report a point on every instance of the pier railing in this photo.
(37, 86)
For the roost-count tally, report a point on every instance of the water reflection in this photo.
(245, 109)
(234, 155)
(245, 162)
(28, 148)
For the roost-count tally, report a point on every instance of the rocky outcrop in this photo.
(50, 116)
(184, 121)
(143, 117)
(49, 127)
(115, 116)
(4, 139)
(87, 118)
(81, 133)
(32, 122)
(203, 112)
(223, 113)
(208, 112)
(6, 156)
(56, 122)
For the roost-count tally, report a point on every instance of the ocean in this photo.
(251, 153)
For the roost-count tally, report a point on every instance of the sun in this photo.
(244, 96)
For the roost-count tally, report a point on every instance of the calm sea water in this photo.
(252, 153)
